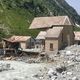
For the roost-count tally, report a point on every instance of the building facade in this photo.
(16, 42)
(59, 31)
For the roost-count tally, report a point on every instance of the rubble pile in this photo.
(69, 65)
(64, 73)
(28, 59)
(33, 58)
(66, 66)
(71, 53)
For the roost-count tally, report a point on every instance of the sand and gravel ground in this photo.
(67, 62)
(24, 71)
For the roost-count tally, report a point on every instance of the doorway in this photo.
(51, 47)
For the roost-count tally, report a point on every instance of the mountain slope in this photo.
(18, 14)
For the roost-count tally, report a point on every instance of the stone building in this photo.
(58, 31)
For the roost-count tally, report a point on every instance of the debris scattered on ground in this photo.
(61, 69)
(62, 66)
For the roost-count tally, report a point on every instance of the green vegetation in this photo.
(4, 31)
(76, 28)
(17, 15)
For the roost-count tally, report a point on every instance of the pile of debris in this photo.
(71, 53)
(63, 73)
(66, 66)
(69, 65)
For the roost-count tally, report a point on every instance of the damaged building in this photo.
(57, 32)
(16, 42)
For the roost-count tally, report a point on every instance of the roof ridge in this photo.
(47, 22)
(50, 16)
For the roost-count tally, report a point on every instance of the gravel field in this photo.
(66, 66)
(22, 71)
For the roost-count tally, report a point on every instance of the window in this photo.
(51, 47)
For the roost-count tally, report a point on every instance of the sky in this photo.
(75, 4)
